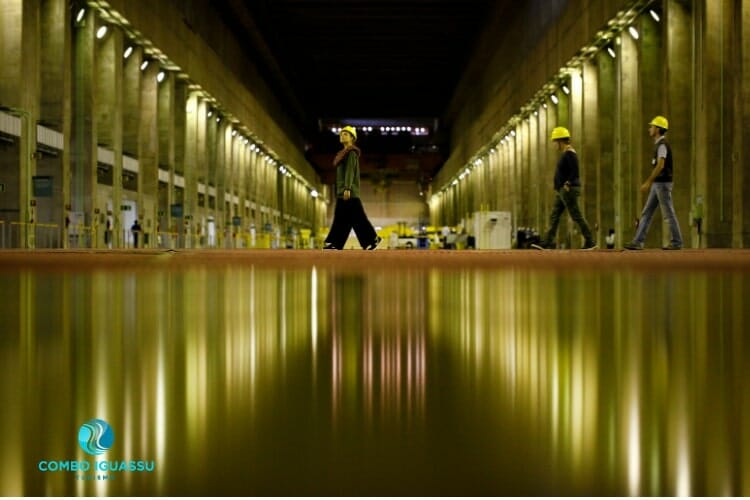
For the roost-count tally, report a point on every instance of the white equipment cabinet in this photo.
(492, 230)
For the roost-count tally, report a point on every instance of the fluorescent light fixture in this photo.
(633, 32)
(101, 32)
(654, 15)
(127, 52)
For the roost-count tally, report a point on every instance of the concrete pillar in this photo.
(543, 176)
(677, 32)
(190, 164)
(653, 84)
(606, 93)
(158, 111)
(713, 114)
(109, 118)
(741, 193)
(84, 135)
(629, 132)
(590, 146)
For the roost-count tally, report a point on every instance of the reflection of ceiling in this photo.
(335, 61)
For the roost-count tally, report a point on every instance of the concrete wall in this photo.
(688, 65)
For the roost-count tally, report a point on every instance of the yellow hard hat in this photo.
(660, 122)
(560, 133)
(349, 129)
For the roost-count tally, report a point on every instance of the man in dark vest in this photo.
(659, 189)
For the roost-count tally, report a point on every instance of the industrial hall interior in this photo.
(374, 248)
(214, 125)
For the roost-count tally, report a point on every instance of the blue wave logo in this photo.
(96, 437)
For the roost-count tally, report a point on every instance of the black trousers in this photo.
(350, 214)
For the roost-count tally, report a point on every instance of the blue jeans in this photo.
(660, 194)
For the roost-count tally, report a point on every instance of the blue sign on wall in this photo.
(42, 186)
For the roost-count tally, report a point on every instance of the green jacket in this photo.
(347, 174)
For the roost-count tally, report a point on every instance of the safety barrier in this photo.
(41, 235)
(29, 235)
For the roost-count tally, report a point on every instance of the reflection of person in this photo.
(659, 189)
(349, 212)
(567, 191)
(136, 229)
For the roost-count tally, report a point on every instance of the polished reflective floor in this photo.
(250, 380)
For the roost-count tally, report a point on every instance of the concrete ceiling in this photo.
(386, 61)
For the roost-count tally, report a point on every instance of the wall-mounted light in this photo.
(654, 15)
(633, 32)
(611, 52)
(101, 32)
(210, 113)
(127, 52)
(79, 16)
(554, 99)
(565, 89)
(144, 65)
(160, 76)
(314, 193)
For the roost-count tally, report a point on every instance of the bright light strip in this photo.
(654, 15)
(128, 51)
(144, 65)
(160, 76)
(79, 16)
(633, 32)
(554, 98)
(101, 32)
(611, 52)
(566, 89)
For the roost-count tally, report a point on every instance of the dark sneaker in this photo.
(374, 244)
(632, 246)
(589, 245)
(671, 247)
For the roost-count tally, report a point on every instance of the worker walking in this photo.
(659, 189)
(567, 185)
